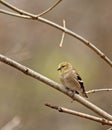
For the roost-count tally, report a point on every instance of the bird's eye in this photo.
(63, 66)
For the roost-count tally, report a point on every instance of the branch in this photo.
(63, 34)
(26, 13)
(17, 10)
(11, 125)
(15, 14)
(49, 9)
(69, 32)
(83, 115)
(55, 85)
(98, 90)
(87, 43)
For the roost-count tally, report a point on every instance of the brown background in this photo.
(36, 45)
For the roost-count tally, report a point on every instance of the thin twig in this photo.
(11, 125)
(22, 12)
(98, 90)
(80, 114)
(87, 43)
(49, 9)
(63, 34)
(15, 14)
(55, 85)
(34, 17)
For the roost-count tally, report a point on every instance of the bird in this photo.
(71, 79)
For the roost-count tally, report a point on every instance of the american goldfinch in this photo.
(71, 79)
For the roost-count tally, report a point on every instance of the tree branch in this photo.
(63, 34)
(49, 9)
(17, 10)
(15, 14)
(55, 85)
(13, 124)
(27, 15)
(98, 90)
(83, 115)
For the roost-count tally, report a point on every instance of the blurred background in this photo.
(36, 45)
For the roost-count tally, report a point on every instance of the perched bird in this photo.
(71, 79)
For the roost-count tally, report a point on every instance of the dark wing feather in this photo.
(80, 81)
(81, 84)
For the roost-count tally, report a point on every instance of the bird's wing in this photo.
(76, 76)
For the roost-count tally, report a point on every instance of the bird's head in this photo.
(64, 67)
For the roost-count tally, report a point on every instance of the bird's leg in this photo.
(74, 92)
(68, 89)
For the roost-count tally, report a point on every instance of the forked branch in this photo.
(27, 15)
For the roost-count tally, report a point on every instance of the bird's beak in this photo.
(59, 68)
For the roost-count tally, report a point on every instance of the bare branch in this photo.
(22, 12)
(55, 85)
(11, 125)
(49, 9)
(87, 43)
(83, 115)
(15, 14)
(34, 17)
(63, 34)
(98, 90)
